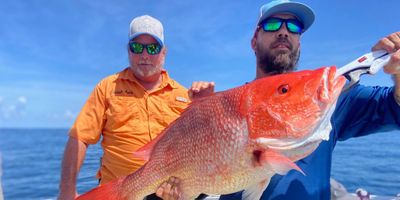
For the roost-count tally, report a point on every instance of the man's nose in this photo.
(283, 32)
(145, 54)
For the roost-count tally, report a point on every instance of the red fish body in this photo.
(236, 139)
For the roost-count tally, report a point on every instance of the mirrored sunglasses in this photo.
(151, 49)
(274, 24)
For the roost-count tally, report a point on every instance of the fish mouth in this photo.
(326, 98)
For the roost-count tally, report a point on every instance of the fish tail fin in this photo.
(109, 191)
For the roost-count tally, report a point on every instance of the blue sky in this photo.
(52, 53)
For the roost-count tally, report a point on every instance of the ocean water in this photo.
(371, 162)
(31, 161)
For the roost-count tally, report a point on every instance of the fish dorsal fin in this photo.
(255, 191)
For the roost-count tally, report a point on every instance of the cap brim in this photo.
(144, 33)
(304, 13)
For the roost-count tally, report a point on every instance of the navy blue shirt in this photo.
(360, 111)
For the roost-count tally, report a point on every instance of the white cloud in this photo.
(8, 111)
(1, 107)
(20, 107)
(13, 110)
(22, 100)
(68, 115)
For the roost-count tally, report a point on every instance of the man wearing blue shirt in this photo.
(360, 111)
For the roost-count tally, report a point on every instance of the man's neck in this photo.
(261, 74)
(151, 84)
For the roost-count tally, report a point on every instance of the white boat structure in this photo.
(339, 192)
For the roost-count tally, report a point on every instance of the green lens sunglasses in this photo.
(137, 48)
(274, 24)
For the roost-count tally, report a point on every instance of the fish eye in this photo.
(282, 89)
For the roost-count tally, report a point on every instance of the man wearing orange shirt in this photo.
(128, 109)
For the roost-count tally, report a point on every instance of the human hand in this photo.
(169, 190)
(201, 89)
(391, 44)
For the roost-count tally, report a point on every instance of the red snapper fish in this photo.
(236, 139)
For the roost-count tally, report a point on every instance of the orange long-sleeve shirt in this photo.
(128, 117)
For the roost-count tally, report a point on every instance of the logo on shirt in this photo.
(120, 92)
(182, 99)
(128, 92)
(117, 92)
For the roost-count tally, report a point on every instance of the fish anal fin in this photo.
(255, 191)
(279, 163)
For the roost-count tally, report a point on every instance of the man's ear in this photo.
(254, 42)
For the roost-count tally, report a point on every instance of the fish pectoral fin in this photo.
(255, 191)
(144, 152)
(279, 163)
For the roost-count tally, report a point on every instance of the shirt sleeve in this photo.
(364, 110)
(90, 121)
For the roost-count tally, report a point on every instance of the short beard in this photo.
(149, 72)
(146, 72)
(281, 62)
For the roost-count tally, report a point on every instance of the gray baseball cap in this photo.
(147, 25)
(303, 13)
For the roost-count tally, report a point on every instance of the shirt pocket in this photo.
(178, 107)
(122, 112)
(174, 110)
